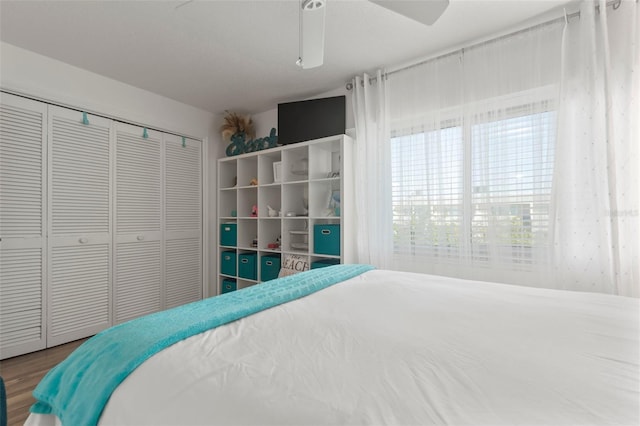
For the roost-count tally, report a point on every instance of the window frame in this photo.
(518, 105)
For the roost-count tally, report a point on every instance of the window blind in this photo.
(427, 191)
(511, 175)
(478, 187)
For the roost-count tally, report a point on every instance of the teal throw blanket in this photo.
(78, 388)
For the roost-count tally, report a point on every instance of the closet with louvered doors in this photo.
(100, 223)
(79, 223)
(138, 222)
(183, 220)
(23, 158)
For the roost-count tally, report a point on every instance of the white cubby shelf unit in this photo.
(311, 170)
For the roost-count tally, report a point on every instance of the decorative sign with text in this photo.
(239, 146)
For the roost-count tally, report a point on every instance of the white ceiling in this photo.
(240, 55)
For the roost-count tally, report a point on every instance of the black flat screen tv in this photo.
(312, 119)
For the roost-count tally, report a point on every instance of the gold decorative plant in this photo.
(237, 123)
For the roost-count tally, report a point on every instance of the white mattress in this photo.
(403, 349)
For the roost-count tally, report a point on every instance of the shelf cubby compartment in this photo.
(269, 229)
(227, 174)
(293, 198)
(229, 262)
(228, 233)
(247, 198)
(299, 240)
(248, 265)
(322, 221)
(269, 266)
(227, 201)
(247, 233)
(295, 233)
(319, 261)
(326, 160)
(244, 283)
(321, 194)
(269, 196)
(247, 170)
(295, 164)
(265, 167)
(228, 284)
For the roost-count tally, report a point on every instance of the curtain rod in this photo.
(615, 4)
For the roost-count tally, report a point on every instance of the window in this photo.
(427, 192)
(476, 188)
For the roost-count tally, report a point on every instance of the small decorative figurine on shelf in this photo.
(254, 211)
(275, 245)
(335, 202)
(272, 212)
(253, 182)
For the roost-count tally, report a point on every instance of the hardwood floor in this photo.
(21, 374)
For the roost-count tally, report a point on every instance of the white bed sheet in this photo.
(403, 349)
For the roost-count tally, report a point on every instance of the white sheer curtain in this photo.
(472, 137)
(596, 178)
(515, 160)
(372, 171)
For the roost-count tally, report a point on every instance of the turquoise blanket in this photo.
(79, 387)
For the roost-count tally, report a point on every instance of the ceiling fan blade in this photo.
(424, 11)
(184, 3)
(312, 46)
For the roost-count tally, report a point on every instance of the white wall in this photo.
(41, 77)
(28, 73)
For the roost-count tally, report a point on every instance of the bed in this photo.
(349, 344)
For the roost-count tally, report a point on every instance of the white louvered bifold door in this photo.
(79, 225)
(183, 223)
(138, 211)
(22, 218)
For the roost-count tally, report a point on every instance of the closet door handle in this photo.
(83, 240)
(140, 237)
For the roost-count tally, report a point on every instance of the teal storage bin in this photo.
(229, 234)
(228, 285)
(247, 266)
(326, 239)
(269, 268)
(228, 263)
(324, 263)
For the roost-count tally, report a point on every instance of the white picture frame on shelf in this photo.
(277, 172)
